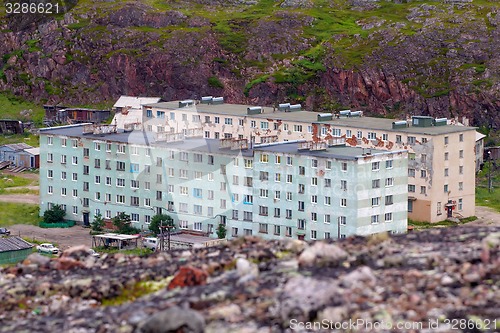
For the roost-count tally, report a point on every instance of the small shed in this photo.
(30, 158)
(14, 249)
(10, 152)
(119, 241)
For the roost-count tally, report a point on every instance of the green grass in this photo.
(16, 213)
(137, 252)
(12, 106)
(483, 196)
(28, 138)
(140, 289)
(7, 181)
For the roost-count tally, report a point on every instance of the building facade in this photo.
(442, 163)
(285, 189)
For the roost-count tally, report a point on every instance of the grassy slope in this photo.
(483, 196)
(14, 213)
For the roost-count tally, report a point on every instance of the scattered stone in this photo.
(188, 276)
(173, 320)
(322, 254)
(37, 259)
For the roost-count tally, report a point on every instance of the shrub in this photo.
(54, 215)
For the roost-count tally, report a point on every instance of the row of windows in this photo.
(423, 189)
(423, 173)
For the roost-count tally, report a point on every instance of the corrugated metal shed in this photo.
(13, 243)
(17, 146)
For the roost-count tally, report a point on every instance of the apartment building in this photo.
(441, 168)
(294, 189)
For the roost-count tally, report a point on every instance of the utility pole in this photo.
(489, 173)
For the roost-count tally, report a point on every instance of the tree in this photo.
(54, 215)
(221, 231)
(122, 223)
(154, 226)
(98, 223)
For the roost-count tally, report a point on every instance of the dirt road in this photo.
(486, 216)
(20, 198)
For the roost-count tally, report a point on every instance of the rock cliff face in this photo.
(385, 57)
(440, 280)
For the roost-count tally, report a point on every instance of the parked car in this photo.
(4, 231)
(47, 248)
(150, 243)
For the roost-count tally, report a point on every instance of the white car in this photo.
(47, 248)
(150, 243)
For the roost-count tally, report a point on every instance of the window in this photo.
(86, 186)
(297, 128)
(121, 149)
(460, 186)
(359, 135)
(277, 177)
(63, 175)
(247, 216)
(385, 137)
(223, 186)
(134, 167)
(375, 219)
(389, 182)
(388, 217)
(210, 195)
(158, 179)
(446, 155)
(375, 183)
(198, 210)
(314, 181)
(343, 166)
(86, 169)
(289, 179)
(263, 228)
(445, 188)
(460, 204)
(375, 166)
(97, 179)
(423, 173)
(228, 121)
(75, 210)
(301, 206)
(263, 210)
(411, 188)
(264, 158)
(198, 175)
(120, 199)
(248, 163)
(314, 199)
(108, 147)
(461, 154)
(302, 170)
(328, 201)
(134, 201)
(248, 181)
(159, 195)
(97, 163)
(248, 199)
(50, 189)
(411, 156)
(446, 140)
(388, 164)
(75, 193)
(108, 165)
(50, 140)
(410, 206)
(423, 158)
(328, 182)
(277, 195)
(183, 190)
(277, 212)
(388, 200)
(376, 201)
(264, 193)
(210, 176)
(411, 172)
(289, 214)
(276, 126)
(372, 135)
(183, 173)
(314, 163)
(160, 114)
(50, 157)
(197, 193)
(342, 220)
(398, 139)
(74, 176)
(253, 124)
(147, 202)
(461, 138)
(183, 224)
(424, 140)
(171, 172)
(97, 196)
(301, 224)
(412, 140)
(277, 159)
(120, 166)
(74, 143)
(343, 202)
(264, 125)
(207, 135)
(461, 170)
(74, 160)
(108, 181)
(423, 190)
(120, 182)
(289, 160)
(63, 191)
(63, 142)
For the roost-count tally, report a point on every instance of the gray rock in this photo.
(322, 253)
(172, 320)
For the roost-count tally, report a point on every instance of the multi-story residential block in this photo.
(286, 189)
(442, 162)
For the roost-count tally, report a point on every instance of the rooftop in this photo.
(134, 102)
(18, 146)
(212, 145)
(13, 243)
(308, 117)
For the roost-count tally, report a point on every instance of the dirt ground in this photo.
(63, 237)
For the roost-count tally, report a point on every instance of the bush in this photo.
(221, 231)
(54, 215)
(98, 223)
(154, 226)
(122, 223)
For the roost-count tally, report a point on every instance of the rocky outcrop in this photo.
(435, 59)
(437, 279)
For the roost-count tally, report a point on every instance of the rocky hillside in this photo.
(387, 57)
(446, 280)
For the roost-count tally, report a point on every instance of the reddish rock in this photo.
(188, 276)
(67, 263)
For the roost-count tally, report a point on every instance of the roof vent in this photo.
(356, 114)
(295, 107)
(218, 100)
(186, 102)
(399, 124)
(344, 113)
(325, 116)
(440, 122)
(206, 99)
(254, 110)
(284, 107)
